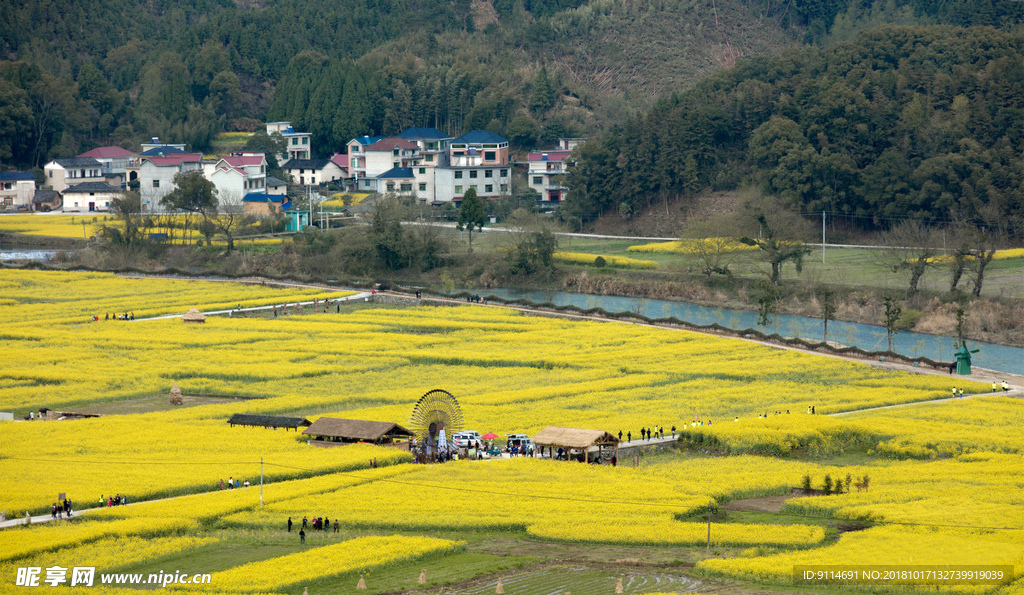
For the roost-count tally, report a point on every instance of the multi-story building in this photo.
(357, 157)
(379, 157)
(115, 161)
(547, 169)
(17, 189)
(433, 154)
(156, 174)
(237, 175)
(61, 173)
(299, 144)
(479, 160)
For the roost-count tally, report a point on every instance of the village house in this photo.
(64, 172)
(156, 171)
(376, 158)
(276, 186)
(310, 172)
(299, 144)
(432, 154)
(261, 204)
(114, 160)
(237, 175)
(477, 159)
(46, 200)
(547, 169)
(17, 189)
(89, 197)
(357, 157)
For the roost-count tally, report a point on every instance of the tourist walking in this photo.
(302, 536)
(289, 524)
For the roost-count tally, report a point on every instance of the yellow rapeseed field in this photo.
(355, 555)
(686, 247)
(614, 261)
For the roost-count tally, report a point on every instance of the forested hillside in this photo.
(93, 72)
(900, 122)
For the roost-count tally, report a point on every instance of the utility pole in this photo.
(261, 481)
(823, 237)
(709, 527)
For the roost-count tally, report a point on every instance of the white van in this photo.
(465, 438)
(517, 440)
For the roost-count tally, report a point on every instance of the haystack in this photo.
(176, 394)
(194, 316)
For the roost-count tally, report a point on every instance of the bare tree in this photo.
(714, 244)
(910, 248)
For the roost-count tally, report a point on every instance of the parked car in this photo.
(517, 440)
(465, 438)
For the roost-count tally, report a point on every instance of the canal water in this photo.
(866, 336)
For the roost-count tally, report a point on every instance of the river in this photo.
(866, 336)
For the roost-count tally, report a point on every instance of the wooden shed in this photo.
(332, 429)
(194, 316)
(575, 438)
(268, 421)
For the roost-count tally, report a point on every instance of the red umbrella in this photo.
(489, 436)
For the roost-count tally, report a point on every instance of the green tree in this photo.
(522, 131)
(471, 214)
(893, 311)
(270, 145)
(827, 305)
(543, 97)
(127, 209)
(193, 193)
(780, 232)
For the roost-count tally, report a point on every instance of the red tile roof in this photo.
(107, 153)
(341, 160)
(552, 155)
(242, 161)
(389, 143)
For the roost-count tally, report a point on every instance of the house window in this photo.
(406, 187)
(490, 155)
(472, 173)
(473, 186)
(423, 170)
(391, 186)
(295, 141)
(458, 190)
(488, 173)
(156, 184)
(458, 175)
(430, 158)
(538, 179)
(504, 187)
(302, 171)
(489, 188)
(50, 172)
(504, 173)
(353, 149)
(305, 140)
(423, 187)
(395, 152)
(312, 180)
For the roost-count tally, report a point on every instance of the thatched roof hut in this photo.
(194, 316)
(176, 394)
(575, 438)
(268, 421)
(332, 429)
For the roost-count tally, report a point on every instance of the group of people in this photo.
(319, 524)
(648, 433)
(117, 500)
(1003, 386)
(61, 508)
(116, 316)
(234, 483)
